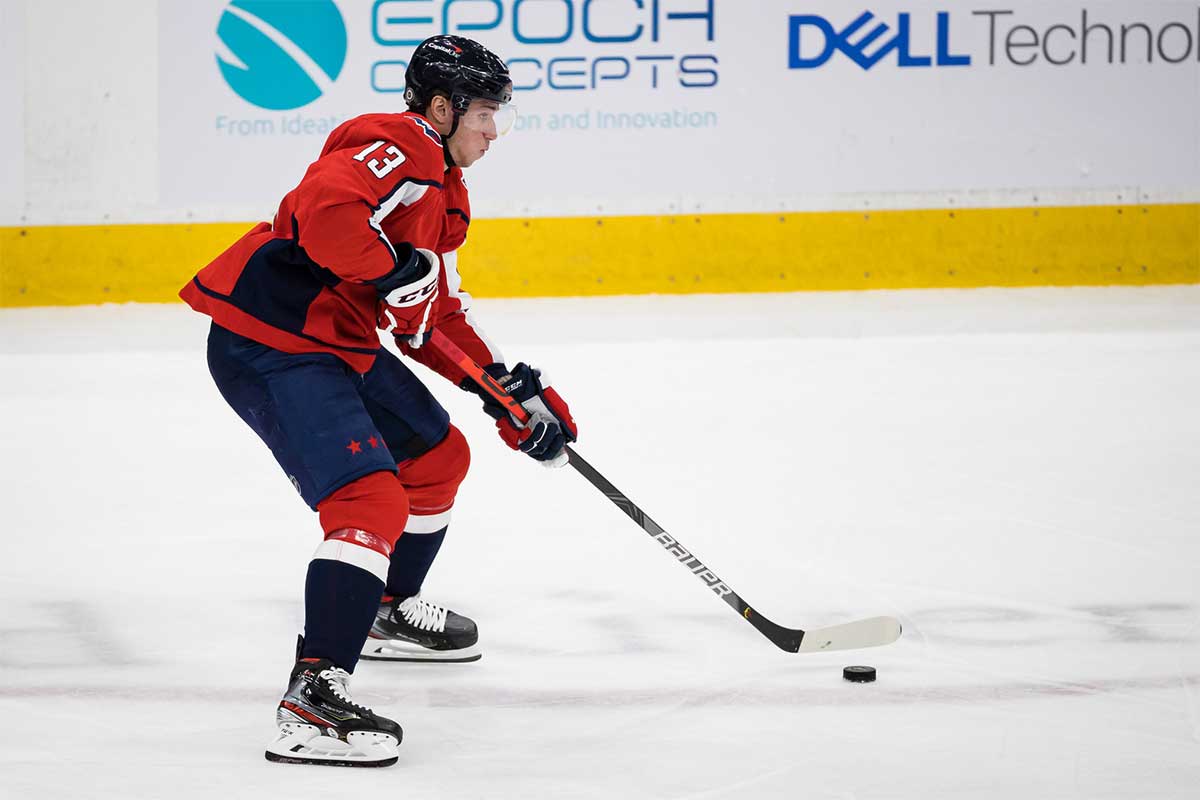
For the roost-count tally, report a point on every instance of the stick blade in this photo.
(872, 632)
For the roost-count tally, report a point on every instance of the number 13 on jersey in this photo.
(382, 168)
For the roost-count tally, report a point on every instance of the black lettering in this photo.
(1174, 43)
(1187, 50)
(1125, 29)
(1087, 31)
(991, 15)
(1010, 44)
(1046, 45)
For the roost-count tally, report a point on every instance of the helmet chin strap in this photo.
(446, 142)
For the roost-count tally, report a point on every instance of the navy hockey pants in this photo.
(325, 424)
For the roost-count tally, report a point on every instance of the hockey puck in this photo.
(859, 674)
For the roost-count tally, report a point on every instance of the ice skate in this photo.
(412, 629)
(320, 724)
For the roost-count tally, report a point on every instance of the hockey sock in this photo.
(412, 557)
(340, 601)
(341, 595)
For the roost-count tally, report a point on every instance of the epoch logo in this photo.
(281, 54)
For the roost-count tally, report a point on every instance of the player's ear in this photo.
(439, 109)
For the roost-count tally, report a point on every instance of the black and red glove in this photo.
(550, 427)
(407, 295)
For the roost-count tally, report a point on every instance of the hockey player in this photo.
(368, 239)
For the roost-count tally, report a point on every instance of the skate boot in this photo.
(320, 724)
(412, 629)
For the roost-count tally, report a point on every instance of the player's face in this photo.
(483, 122)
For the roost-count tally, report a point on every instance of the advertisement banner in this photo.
(12, 121)
(701, 106)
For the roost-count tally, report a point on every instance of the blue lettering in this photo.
(944, 58)
(654, 67)
(553, 75)
(707, 16)
(388, 76)
(597, 76)
(904, 39)
(592, 37)
(516, 13)
(574, 73)
(857, 51)
(795, 23)
(686, 70)
(525, 87)
(386, 19)
(471, 26)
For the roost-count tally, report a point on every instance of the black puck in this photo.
(859, 674)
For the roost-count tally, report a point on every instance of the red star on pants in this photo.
(354, 447)
(373, 442)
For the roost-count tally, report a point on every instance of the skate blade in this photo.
(305, 744)
(395, 650)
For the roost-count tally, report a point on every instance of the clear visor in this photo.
(489, 117)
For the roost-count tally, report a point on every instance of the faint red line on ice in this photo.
(856, 695)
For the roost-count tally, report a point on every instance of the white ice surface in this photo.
(1015, 474)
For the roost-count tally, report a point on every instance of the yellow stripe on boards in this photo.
(1062, 246)
(85, 264)
(1076, 246)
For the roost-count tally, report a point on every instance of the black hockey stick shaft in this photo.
(785, 638)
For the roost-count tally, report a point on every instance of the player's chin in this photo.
(471, 159)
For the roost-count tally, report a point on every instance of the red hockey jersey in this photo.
(306, 282)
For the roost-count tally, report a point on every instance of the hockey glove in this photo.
(417, 340)
(407, 295)
(550, 427)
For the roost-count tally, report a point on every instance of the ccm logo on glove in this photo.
(550, 428)
(398, 300)
(407, 293)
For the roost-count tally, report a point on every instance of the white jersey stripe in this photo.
(454, 289)
(453, 279)
(497, 356)
(411, 193)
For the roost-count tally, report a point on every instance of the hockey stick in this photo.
(871, 632)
